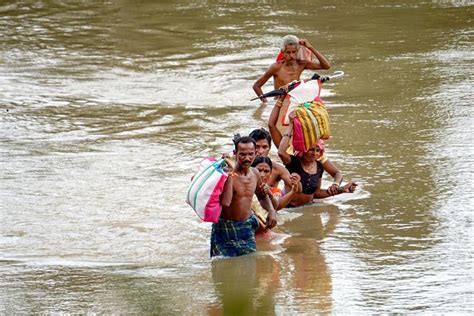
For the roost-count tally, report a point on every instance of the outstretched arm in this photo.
(257, 86)
(323, 62)
(273, 120)
(285, 142)
(319, 193)
(348, 188)
(284, 200)
(282, 174)
(330, 168)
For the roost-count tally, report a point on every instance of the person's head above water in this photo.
(315, 151)
(244, 150)
(263, 141)
(290, 46)
(242, 140)
(321, 146)
(264, 167)
(265, 160)
(289, 40)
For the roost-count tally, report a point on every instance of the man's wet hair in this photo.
(261, 159)
(261, 133)
(243, 140)
(289, 40)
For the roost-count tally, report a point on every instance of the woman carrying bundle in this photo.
(310, 169)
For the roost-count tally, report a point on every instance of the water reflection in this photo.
(296, 270)
(245, 285)
(304, 262)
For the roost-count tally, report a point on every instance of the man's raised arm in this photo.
(323, 62)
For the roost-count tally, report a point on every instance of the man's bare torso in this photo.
(287, 73)
(244, 187)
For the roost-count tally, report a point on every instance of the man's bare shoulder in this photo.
(275, 66)
(280, 168)
(256, 177)
(277, 164)
(255, 172)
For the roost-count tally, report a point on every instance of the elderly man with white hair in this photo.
(290, 64)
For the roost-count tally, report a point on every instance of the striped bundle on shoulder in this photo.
(205, 189)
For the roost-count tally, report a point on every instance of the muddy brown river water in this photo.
(108, 106)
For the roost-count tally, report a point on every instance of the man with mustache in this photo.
(291, 66)
(234, 233)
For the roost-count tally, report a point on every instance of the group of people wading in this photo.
(251, 195)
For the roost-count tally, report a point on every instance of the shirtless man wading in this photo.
(234, 234)
(290, 68)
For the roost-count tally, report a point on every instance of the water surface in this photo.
(107, 107)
